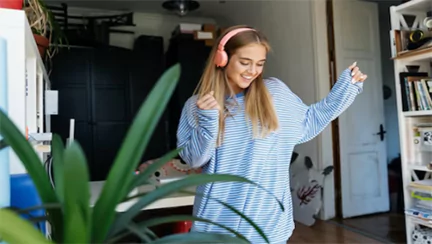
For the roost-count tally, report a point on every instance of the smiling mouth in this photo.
(249, 78)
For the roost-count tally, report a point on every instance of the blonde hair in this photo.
(259, 107)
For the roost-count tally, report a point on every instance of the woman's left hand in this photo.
(356, 74)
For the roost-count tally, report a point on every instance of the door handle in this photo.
(381, 132)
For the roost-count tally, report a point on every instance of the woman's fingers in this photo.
(353, 65)
(355, 71)
(362, 78)
(359, 77)
(208, 102)
(356, 74)
(214, 105)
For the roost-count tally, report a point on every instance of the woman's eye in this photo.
(244, 63)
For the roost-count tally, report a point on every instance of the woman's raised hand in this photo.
(356, 74)
(207, 102)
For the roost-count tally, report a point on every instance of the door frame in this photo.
(325, 76)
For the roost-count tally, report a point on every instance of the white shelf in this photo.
(415, 6)
(417, 113)
(416, 56)
(420, 168)
(26, 79)
(423, 222)
(407, 120)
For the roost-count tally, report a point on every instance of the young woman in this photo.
(240, 123)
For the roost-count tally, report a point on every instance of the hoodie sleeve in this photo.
(316, 117)
(197, 133)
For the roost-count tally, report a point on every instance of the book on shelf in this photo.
(421, 207)
(416, 91)
(422, 185)
(421, 213)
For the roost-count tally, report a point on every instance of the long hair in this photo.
(258, 101)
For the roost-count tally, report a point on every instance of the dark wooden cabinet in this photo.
(102, 89)
(192, 55)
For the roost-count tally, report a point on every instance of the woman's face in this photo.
(245, 65)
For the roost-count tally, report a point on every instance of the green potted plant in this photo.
(46, 31)
(67, 204)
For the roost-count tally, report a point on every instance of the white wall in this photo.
(291, 27)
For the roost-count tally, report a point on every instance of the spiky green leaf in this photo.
(15, 230)
(76, 196)
(130, 153)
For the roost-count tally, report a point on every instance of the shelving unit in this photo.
(414, 124)
(27, 83)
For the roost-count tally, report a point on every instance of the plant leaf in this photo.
(15, 230)
(117, 238)
(178, 218)
(169, 188)
(118, 183)
(136, 230)
(76, 195)
(254, 225)
(142, 177)
(57, 152)
(22, 148)
(196, 237)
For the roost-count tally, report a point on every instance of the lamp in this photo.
(181, 7)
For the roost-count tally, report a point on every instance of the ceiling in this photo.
(208, 8)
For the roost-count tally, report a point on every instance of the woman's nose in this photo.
(252, 69)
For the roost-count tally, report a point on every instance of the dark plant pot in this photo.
(11, 4)
(42, 44)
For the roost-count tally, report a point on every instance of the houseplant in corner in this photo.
(67, 204)
(45, 28)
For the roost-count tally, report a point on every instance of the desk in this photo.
(175, 200)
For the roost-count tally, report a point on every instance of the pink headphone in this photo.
(221, 57)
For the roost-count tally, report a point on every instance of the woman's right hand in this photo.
(207, 102)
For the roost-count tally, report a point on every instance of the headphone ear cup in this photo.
(221, 58)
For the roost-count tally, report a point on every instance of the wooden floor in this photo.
(385, 226)
(327, 232)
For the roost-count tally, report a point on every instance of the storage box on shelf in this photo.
(413, 79)
(419, 148)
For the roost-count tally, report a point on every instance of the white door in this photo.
(362, 150)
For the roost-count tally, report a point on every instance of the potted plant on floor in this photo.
(67, 204)
(46, 31)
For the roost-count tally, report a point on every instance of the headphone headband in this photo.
(229, 35)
